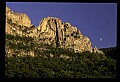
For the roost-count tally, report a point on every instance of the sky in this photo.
(98, 21)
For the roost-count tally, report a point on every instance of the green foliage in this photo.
(84, 66)
(19, 38)
(24, 43)
(80, 65)
(110, 52)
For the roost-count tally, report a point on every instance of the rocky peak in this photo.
(18, 18)
(8, 9)
(51, 30)
(65, 35)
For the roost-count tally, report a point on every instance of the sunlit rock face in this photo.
(51, 30)
(66, 35)
(18, 18)
(96, 50)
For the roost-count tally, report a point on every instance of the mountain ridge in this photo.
(51, 31)
(49, 51)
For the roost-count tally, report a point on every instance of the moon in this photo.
(100, 39)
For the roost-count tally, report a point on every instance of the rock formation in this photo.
(63, 34)
(18, 18)
(97, 50)
(51, 30)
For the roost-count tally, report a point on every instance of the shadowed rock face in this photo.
(51, 30)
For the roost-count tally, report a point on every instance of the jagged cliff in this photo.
(63, 35)
(51, 31)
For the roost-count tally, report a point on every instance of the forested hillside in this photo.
(110, 52)
(79, 65)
